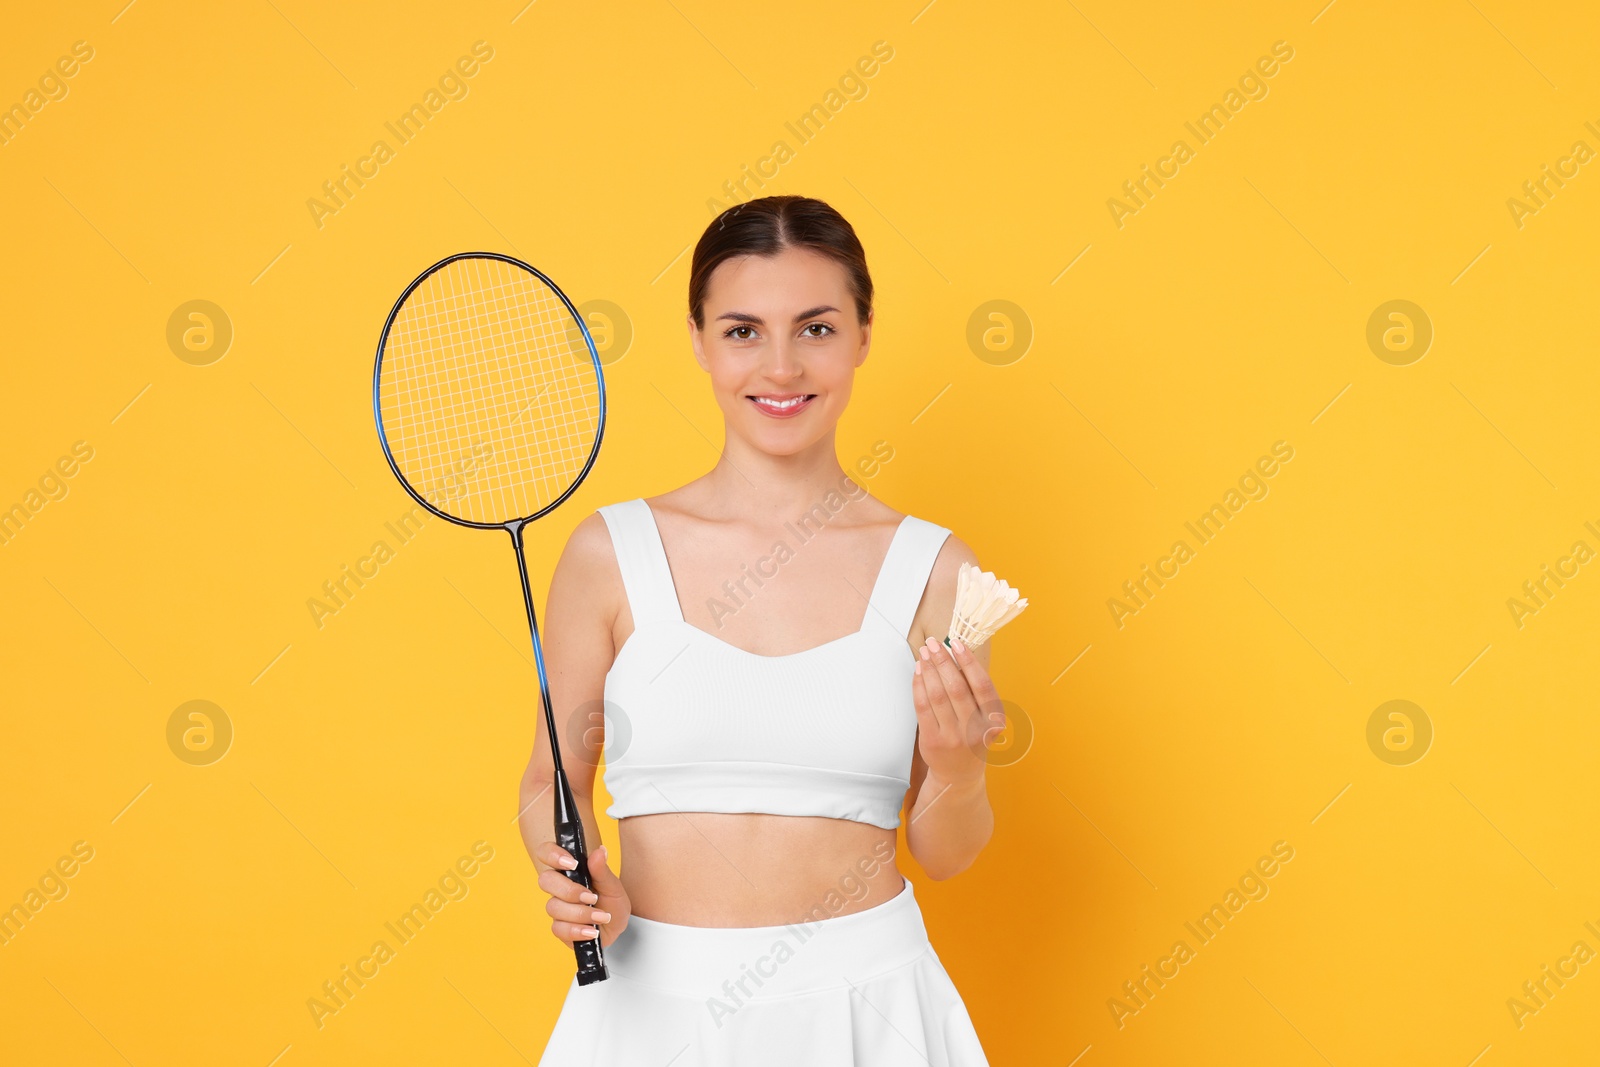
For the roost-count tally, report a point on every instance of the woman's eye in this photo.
(818, 329)
(736, 335)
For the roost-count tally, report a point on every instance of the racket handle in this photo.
(591, 963)
(590, 956)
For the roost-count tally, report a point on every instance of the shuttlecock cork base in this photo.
(984, 603)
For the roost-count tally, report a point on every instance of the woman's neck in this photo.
(758, 484)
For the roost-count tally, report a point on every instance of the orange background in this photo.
(1165, 356)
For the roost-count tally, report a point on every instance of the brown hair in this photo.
(765, 227)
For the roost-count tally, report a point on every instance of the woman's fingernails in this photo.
(924, 651)
(602, 916)
(569, 863)
(587, 931)
(588, 897)
(955, 643)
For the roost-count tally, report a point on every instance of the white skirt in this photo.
(850, 991)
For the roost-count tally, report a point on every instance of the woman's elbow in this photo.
(534, 781)
(946, 864)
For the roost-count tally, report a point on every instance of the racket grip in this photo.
(591, 962)
(590, 956)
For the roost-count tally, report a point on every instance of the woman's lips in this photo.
(782, 410)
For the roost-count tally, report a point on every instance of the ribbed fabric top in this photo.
(693, 723)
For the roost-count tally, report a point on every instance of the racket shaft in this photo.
(568, 823)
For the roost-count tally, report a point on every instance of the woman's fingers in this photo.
(574, 910)
(988, 711)
(614, 900)
(574, 919)
(978, 680)
(570, 932)
(605, 882)
(560, 887)
(553, 855)
(934, 693)
(575, 914)
(958, 726)
(957, 692)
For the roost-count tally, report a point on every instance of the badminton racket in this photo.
(490, 405)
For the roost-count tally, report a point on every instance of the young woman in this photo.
(766, 645)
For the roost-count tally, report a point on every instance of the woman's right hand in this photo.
(573, 909)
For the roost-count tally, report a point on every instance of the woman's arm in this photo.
(949, 821)
(585, 596)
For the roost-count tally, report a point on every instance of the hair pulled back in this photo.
(768, 225)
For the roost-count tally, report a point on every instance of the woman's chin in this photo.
(781, 440)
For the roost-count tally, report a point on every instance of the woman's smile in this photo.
(781, 405)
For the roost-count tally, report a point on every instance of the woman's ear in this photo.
(866, 339)
(695, 339)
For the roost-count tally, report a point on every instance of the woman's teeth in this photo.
(782, 407)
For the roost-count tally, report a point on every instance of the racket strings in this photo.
(488, 392)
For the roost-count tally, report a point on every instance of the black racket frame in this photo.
(568, 826)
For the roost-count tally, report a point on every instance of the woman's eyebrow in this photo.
(813, 312)
(742, 316)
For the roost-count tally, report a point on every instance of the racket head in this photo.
(487, 391)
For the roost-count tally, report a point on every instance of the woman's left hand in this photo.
(958, 712)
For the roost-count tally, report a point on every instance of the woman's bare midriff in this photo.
(719, 869)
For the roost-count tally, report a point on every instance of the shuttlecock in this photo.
(984, 603)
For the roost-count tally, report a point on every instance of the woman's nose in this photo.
(781, 363)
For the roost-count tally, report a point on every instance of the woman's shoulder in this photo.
(940, 590)
(953, 552)
(590, 551)
(939, 594)
(951, 544)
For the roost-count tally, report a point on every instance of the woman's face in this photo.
(781, 343)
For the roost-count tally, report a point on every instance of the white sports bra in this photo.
(693, 723)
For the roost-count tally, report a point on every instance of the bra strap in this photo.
(646, 577)
(904, 576)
